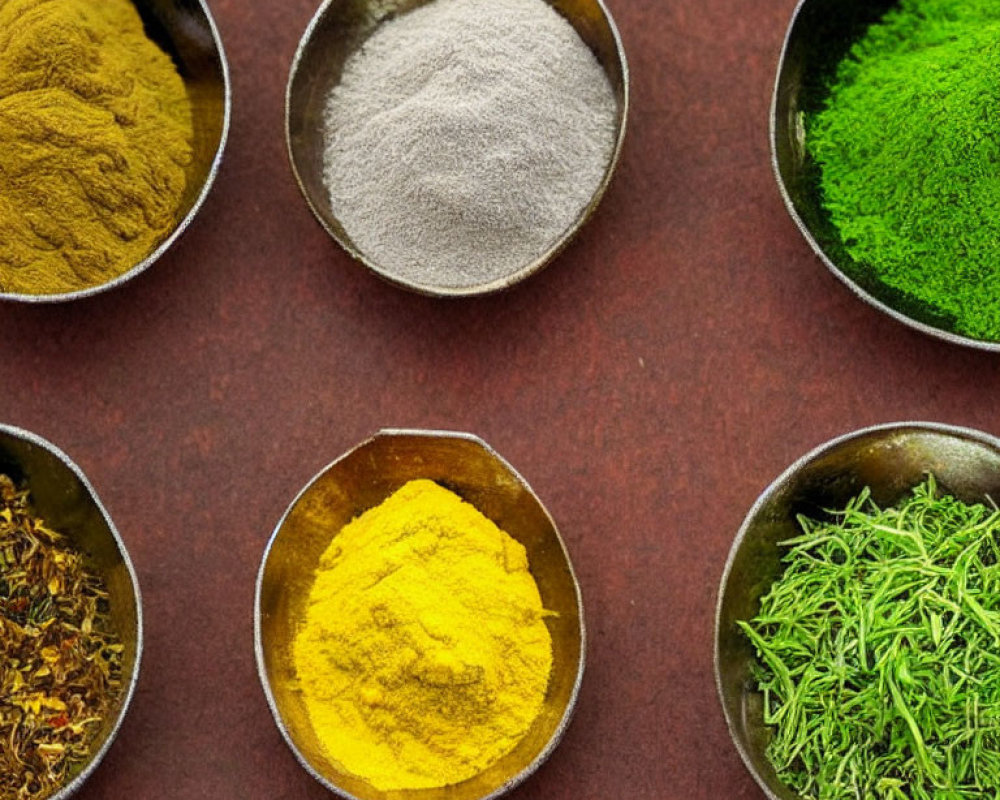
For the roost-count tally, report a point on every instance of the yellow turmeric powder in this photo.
(96, 132)
(424, 656)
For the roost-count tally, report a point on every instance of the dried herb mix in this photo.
(879, 652)
(908, 152)
(60, 662)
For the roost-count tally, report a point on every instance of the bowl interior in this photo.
(184, 30)
(337, 31)
(69, 505)
(890, 461)
(820, 35)
(360, 480)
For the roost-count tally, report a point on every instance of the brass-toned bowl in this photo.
(64, 498)
(890, 460)
(359, 480)
(338, 29)
(185, 30)
(819, 35)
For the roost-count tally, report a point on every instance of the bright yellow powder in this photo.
(424, 657)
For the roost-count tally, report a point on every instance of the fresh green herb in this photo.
(908, 154)
(60, 662)
(879, 652)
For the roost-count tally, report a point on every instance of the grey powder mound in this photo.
(465, 139)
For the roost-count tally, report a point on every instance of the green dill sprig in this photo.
(879, 652)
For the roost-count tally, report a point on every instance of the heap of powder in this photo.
(96, 132)
(465, 138)
(908, 145)
(424, 656)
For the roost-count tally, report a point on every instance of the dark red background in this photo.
(648, 384)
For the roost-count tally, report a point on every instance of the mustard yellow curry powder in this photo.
(96, 133)
(424, 656)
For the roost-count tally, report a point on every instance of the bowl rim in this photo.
(855, 288)
(519, 275)
(98, 755)
(259, 657)
(182, 226)
(775, 486)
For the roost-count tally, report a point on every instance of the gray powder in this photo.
(465, 139)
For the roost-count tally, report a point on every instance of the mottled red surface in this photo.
(649, 384)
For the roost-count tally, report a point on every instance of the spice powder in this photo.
(424, 656)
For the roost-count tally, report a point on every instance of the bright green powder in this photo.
(908, 148)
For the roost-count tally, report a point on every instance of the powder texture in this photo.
(466, 137)
(909, 151)
(96, 130)
(424, 656)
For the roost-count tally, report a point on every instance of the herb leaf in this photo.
(60, 661)
(878, 652)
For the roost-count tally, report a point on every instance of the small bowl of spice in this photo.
(113, 116)
(883, 129)
(418, 626)
(455, 147)
(858, 622)
(70, 622)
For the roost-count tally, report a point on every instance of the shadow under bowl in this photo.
(186, 31)
(888, 459)
(358, 481)
(61, 494)
(819, 36)
(336, 32)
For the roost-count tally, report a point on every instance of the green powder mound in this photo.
(908, 148)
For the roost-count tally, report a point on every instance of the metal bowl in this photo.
(185, 30)
(361, 479)
(338, 29)
(820, 34)
(63, 496)
(891, 460)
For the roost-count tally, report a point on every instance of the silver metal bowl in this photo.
(819, 35)
(337, 30)
(63, 496)
(890, 460)
(186, 31)
(359, 480)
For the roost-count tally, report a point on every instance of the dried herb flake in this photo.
(60, 661)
